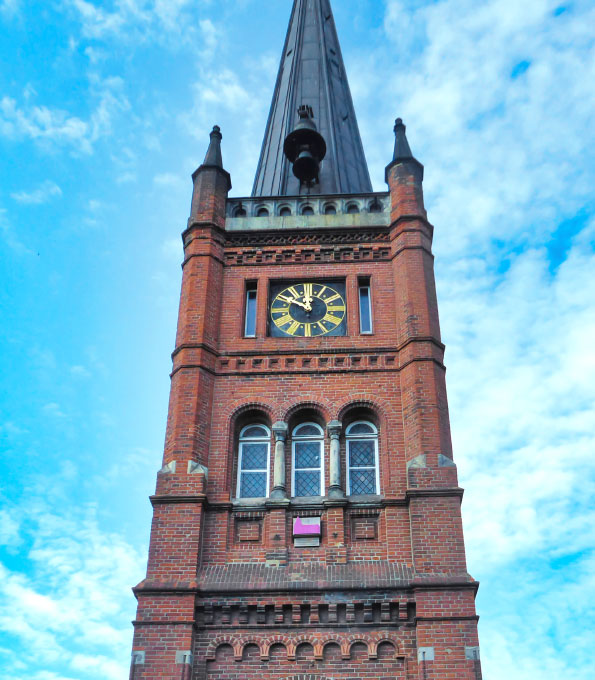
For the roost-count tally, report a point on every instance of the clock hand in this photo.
(307, 306)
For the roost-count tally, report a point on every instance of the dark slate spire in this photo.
(312, 74)
(213, 157)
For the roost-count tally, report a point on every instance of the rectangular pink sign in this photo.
(306, 526)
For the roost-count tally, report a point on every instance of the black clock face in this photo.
(308, 309)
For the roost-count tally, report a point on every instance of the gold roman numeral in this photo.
(308, 330)
(293, 328)
(335, 308)
(335, 320)
(333, 297)
(281, 321)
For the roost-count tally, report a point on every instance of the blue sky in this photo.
(105, 110)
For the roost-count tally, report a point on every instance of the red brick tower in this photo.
(307, 517)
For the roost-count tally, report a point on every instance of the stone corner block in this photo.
(418, 462)
(184, 658)
(138, 658)
(425, 654)
(445, 461)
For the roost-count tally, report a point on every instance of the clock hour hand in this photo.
(306, 305)
(295, 301)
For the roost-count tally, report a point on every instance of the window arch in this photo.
(253, 461)
(307, 460)
(362, 459)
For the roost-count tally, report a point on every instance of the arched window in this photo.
(330, 209)
(239, 211)
(262, 212)
(307, 460)
(285, 211)
(307, 210)
(352, 208)
(362, 459)
(253, 462)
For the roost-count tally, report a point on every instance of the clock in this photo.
(308, 309)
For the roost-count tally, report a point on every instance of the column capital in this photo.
(280, 431)
(334, 429)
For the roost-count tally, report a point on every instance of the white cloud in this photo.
(75, 573)
(10, 7)
(41, 123)
(55, 127)
(53, 409)
(42, 194)
(138, 20)
(9, 236)
(9, 530)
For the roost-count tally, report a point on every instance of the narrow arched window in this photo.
(253, 462)
(307, 460)
(362, 459)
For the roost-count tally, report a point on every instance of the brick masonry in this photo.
(386, 594)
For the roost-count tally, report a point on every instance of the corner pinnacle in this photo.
(402, 148)
(213, 157)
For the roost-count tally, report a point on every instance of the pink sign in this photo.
(306, 526)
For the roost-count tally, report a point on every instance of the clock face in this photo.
(308, 310)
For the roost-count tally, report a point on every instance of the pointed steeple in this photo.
(312, 74)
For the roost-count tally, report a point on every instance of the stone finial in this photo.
(214, 157)
(402, 148)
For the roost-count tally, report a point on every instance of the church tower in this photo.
(307, 519)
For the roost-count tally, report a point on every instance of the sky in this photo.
(105, 110)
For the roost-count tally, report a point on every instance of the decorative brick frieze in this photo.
(291, 642)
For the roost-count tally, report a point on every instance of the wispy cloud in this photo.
(55, 127)
(138, 20)
(42, 123)
(74, 572)
(9, 235)
(42, 194)
(9, 7)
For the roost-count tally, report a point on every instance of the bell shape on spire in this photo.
(305, 148)
(312, 73)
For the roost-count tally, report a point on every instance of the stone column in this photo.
(279, 486)
(335, 489)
